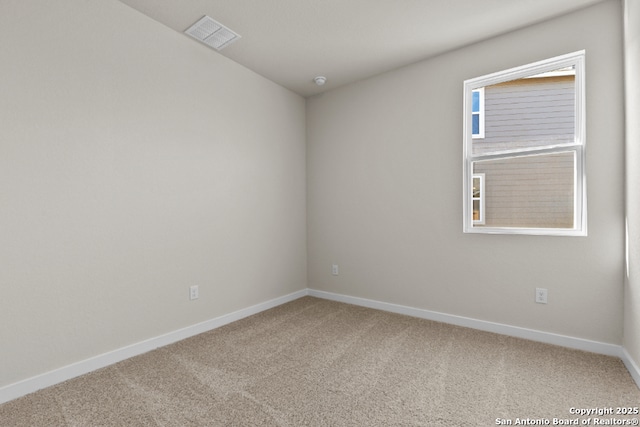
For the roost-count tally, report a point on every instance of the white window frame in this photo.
(575, 59)
(480, 114)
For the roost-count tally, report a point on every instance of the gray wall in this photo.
(135, 163)
(385, 191)
(632, 284)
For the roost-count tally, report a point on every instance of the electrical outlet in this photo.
(334, 269)
(541, 295)
(194, 292)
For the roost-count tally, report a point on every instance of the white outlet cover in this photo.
(541, 295)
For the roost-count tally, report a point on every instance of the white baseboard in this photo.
(514, 331)
(30, 385)
(499, 328)
(632, 367)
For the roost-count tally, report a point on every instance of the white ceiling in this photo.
(292, 41)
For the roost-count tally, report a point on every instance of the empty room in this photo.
(319, 212)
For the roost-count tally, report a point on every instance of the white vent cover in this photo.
(212, 33)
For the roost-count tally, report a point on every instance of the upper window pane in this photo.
(530, 112)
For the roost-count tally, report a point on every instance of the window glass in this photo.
(528, 191)
(530, 112)
(478, 198)
(477, 113)
(476, 101)
(476, 124)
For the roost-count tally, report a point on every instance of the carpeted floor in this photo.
(313, 362)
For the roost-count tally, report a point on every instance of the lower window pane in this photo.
(535, 191)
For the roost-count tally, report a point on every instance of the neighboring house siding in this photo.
(527, 113)
(528, 191)
(531, 191)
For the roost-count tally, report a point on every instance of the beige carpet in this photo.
(313, 362)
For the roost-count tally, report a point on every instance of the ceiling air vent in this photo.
(212, 33)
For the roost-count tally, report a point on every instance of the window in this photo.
(477, 113)
(477, 198)
(524, 140)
